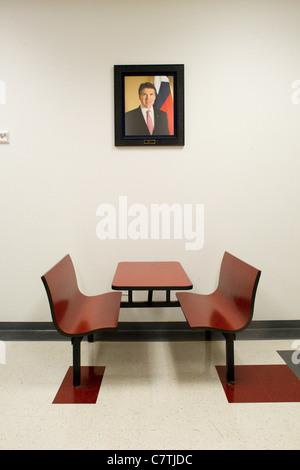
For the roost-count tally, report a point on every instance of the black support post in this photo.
(76, 360)
(150, 296)
(208, 335)
(230, 337)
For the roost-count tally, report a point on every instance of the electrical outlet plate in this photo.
(4, 137)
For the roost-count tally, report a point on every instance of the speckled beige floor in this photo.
(154, 395)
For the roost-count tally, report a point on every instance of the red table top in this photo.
(150, 275)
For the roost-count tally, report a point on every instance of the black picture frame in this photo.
(126, 98)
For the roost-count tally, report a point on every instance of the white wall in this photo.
(241, 158)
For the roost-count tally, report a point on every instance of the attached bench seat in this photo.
(74, 314)
(229, 309)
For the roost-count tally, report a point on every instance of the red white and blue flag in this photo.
(164, 99)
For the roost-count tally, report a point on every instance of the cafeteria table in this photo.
(150, 276)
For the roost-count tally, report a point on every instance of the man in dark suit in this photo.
(146, 119)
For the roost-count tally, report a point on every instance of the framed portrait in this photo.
(149, 105)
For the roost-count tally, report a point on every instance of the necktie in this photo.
(149, 122)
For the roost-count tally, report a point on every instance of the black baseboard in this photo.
(150, 331)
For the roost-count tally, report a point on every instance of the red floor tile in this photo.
(91, 378)
(261, 383)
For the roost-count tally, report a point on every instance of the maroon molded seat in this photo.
(229, 309)
(74, 314)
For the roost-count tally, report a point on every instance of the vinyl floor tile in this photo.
(292, 359)
(87, 392)
(261, 383)
(153, 395)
